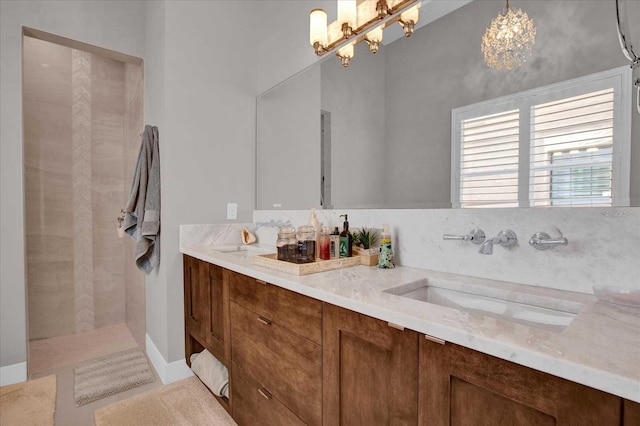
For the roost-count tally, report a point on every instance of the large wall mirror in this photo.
(379, 131)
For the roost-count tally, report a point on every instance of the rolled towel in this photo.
(225, 390)
(212, 372)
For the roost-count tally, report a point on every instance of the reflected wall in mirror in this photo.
(390, 126)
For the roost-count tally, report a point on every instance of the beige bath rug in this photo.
(29, 403)
(101, 377)
(186, 402)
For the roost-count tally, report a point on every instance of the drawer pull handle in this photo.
(396, 326)
(265, 393)
(434, 339)
(261, 282)
(264, 320)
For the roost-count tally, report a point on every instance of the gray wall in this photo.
(441, 67)
(201, 95)
(114, 25)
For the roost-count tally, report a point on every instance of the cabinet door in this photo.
(460, 386)
(631, 413)
(370, 371)
(195, 306)
(217, 325)
(206, 299)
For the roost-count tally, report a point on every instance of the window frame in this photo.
(620, 79)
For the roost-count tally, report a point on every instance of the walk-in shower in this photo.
(82, 117)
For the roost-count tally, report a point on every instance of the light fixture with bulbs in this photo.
(357, 21)
(508, 41)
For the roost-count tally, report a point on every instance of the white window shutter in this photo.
(489, 161)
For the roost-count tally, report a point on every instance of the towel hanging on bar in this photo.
(142, 212)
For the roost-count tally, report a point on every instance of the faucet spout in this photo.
(506, 238)
(486, 247)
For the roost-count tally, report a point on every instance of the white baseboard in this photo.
(14, 373)
(168, 372)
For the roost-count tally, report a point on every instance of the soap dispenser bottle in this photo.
(346, 240)
(385, 258)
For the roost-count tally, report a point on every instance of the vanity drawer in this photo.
(289, 366)
(300, 314)
(254, 405)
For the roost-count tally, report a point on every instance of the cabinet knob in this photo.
(264, 320)
(265, 393)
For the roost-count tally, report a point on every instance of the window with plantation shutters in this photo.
(572, 151)
(489, 161)
(562, 145)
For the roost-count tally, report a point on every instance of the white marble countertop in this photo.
(600, 348)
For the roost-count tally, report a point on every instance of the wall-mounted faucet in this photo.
(542, 241)
(506, 238)
(476, 236)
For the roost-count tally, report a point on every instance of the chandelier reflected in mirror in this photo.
(508, 41)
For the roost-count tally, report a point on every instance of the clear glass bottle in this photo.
(323, 243)
(287, 244)
(306, 244)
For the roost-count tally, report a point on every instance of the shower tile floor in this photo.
(60, 355)
(59, 351)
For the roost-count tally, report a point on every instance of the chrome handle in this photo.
(265, 393)
(542, 241)
(264, 320)
(506, 238)
(476, 236)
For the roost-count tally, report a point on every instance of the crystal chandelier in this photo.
(359, 20)
(508, 41)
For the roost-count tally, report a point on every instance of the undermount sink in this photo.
(532, 310)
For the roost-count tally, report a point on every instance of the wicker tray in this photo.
(270, 261)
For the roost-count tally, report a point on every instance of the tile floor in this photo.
(59, 356)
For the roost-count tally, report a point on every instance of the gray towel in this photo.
(142, 212)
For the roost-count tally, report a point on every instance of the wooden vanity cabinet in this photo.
(460, 386)
(294, 360)
(206, 307)
(370, 371)
(277, 354)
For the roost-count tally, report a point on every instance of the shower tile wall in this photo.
(76, 155)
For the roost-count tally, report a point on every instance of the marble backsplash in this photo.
(603, 249)
(213, 235)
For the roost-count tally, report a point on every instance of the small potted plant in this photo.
(366, 240)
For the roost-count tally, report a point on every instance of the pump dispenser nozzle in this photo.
(345, 225)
